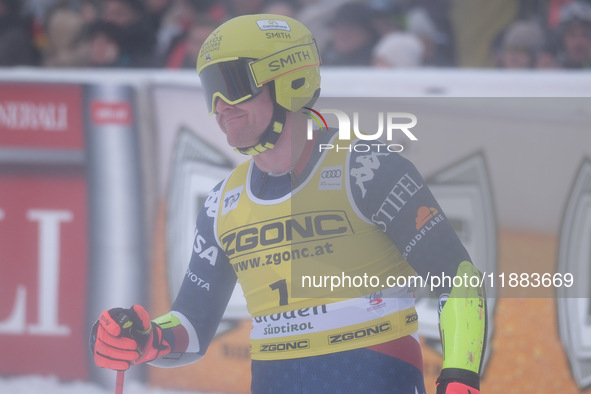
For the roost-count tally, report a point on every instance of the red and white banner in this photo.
(41, 116)
(43, 280)
(59, 142)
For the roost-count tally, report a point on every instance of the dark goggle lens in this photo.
(231, 80)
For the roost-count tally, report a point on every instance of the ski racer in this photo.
(293, 211)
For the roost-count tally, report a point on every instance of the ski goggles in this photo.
(240, 79)
(232, 81)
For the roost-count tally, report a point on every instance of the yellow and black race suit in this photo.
(350, 214)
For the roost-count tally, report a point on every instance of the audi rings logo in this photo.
(331, 174)
(331, 178)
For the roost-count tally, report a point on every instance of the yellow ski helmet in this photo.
(248, 51)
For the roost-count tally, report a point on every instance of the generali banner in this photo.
(69, 168)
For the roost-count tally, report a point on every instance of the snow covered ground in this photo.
(52, 385)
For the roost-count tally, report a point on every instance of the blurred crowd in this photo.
(512, 34)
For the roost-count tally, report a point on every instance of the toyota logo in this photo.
(331, 174)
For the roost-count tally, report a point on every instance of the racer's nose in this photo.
(221, 105)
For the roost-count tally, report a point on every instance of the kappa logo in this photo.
(231, 198)
(424, 214)
(369, 163)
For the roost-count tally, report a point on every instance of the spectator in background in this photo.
(521, 44)
(102, 47)
(156, 10)
(135, 34)
(398, 50)
(244, 7)
(547, 57)
(552, 16)
(182, 17)
(388, 16)
(280, 7)
(63, 27)
(185, 52)
(17, 47)
(353, 37)
(437, 42)
(315, 14)
(575, 35)
(88, 10)
(476, 25)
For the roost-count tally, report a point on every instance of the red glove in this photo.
(458, 381)
(125, 337)
(455, 388)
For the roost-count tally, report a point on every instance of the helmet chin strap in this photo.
(270, 135)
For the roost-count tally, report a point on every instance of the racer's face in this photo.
(244, 123)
